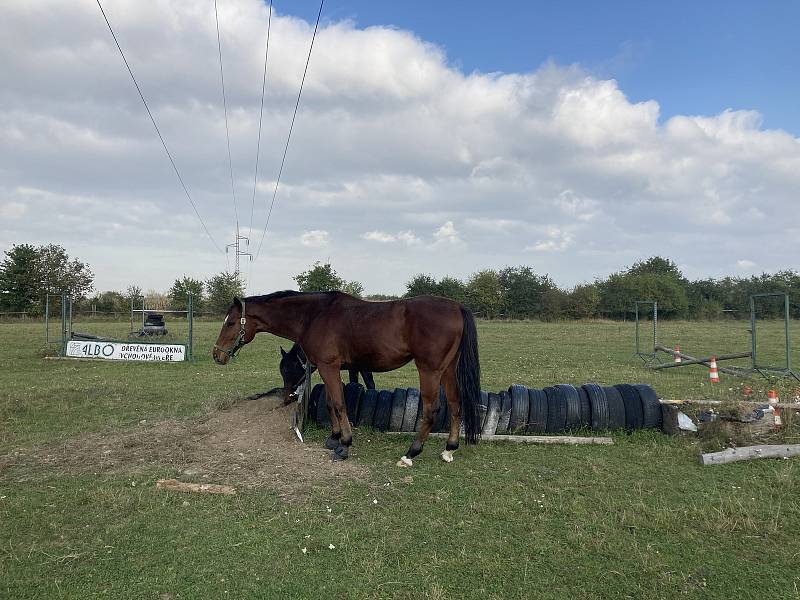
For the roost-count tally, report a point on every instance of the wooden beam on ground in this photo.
(750, 453)
(204, 488)
(527, 439)
(686, 357)
(754, 403)
(702, 361)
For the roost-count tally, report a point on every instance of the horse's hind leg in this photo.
(341, 432)
(454, 404)
(429, 389)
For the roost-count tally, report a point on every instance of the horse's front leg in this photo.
(341, 432)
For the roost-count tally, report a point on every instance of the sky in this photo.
(437, 137)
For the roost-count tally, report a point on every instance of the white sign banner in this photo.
(126, 351)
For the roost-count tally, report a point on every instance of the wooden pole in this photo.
(749, 453)
(529, 439)
(686, 358)
(698, 361)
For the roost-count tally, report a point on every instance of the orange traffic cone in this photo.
(772, 397)
(713, 374)
(677, 354)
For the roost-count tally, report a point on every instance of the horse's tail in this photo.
(468, 376)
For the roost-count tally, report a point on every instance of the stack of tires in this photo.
(518, 410)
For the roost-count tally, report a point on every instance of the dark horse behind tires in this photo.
(293, 372)
(339, 331)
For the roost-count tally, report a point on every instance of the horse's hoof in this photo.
(341, 453)
(331, 443)
(447, 456)
(404, 462)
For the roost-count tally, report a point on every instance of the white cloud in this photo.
(315, 238)
(555, 240)
(447, 233)
(379, 236)
(390, 139)
(745, 265)
(12, 210)
(406, 237)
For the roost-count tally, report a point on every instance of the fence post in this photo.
(190, 308)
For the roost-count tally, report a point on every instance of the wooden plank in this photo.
(204, 488)
(750, 453)
(529, 439)
(686, 357)
(753, 403)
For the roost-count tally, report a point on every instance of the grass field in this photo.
(639, 519)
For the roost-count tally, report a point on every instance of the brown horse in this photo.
(339, 331)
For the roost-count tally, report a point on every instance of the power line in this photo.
(289, 136)
(258, 144)
(225, 109)
(260, 117)
(158, 131)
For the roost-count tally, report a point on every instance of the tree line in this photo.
(29, 272)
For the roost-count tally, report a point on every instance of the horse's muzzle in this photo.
(221, 358)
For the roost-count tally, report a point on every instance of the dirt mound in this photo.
(249, 445)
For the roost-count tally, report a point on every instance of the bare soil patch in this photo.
(249, 445)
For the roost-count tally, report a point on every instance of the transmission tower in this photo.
(239, 247)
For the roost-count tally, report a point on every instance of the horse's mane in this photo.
(284, 294)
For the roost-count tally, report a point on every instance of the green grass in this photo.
(640, 519)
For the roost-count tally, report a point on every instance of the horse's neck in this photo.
(286, 317)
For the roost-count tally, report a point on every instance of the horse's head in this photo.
(293, 372)
(237, 330)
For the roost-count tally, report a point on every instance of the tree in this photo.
(354, 288)
(522, 291)
(450, 287)
(181, 289)
(60, 274)
(323, 278)
(584, 301)
(28, 273)
(421, 285)
(319, 278)
(20, 286)
(221, 290)
(484, 293)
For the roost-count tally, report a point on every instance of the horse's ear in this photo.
(237, 303)
(283, 352)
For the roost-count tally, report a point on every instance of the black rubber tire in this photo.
(323, 418)
(492, 414)
(537, 415)
(314, 399)
(352, 399)
(520, 407)
(366, 412)
(573, 405)
(383, 410)
(585, 408)
(483, 408)
(556, 410)
(398, 409)
(634, 417)
(505, 413)
(599, 405)
(411, 410)
(616, 408)
(651, 407)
